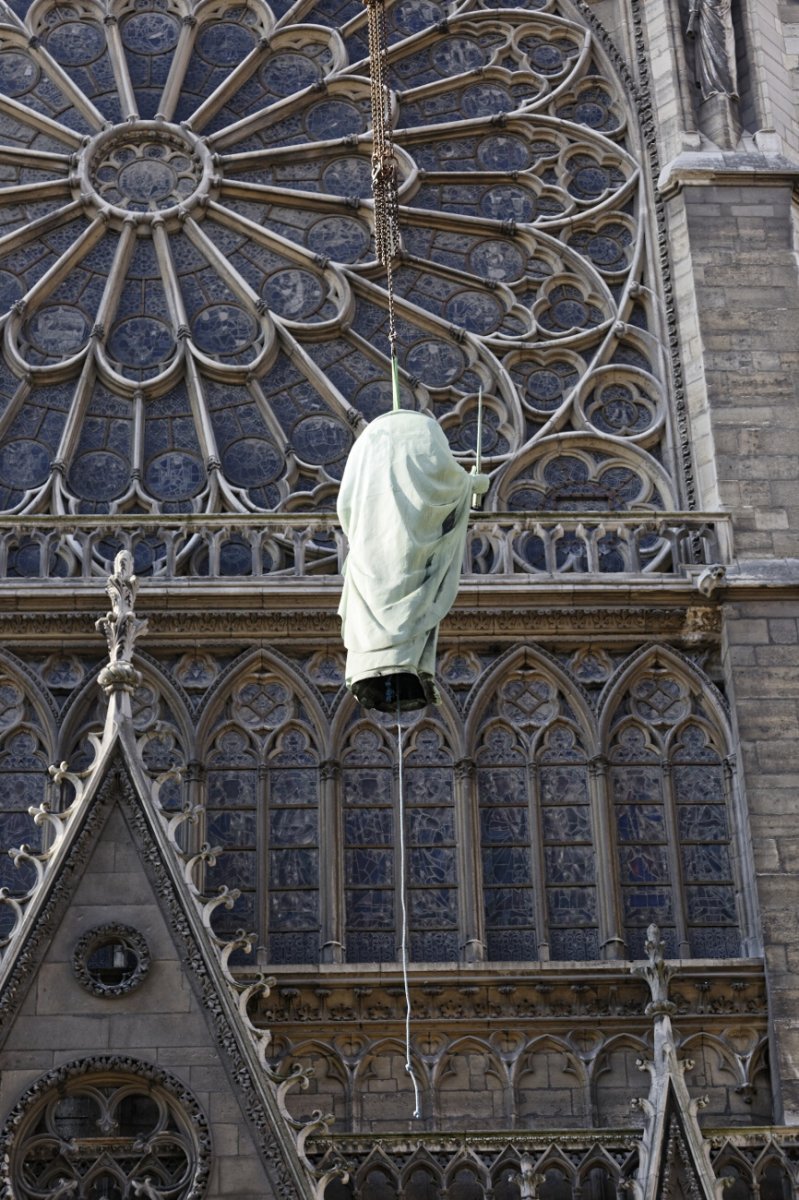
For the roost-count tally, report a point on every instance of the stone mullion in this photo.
(36, 120)
(177, 71)
(64, 265)
(471, 906)
(331, 865)
(611, 926)
(18, 238)
(229, 86)
(137, 454)
(127, 97)
(400, 832)
(174, 297)
(177, 311)
(54, 71)
(262, 882)
(221, 263)
(675, 861)
(538, 862)
(743, 876)
(202, 421)
(105, 312)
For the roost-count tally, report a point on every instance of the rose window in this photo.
(194, 318)
(111, 1128)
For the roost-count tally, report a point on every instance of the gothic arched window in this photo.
(669, 793)
(372, 864)
(262, 781)
(369, 835)
(537, 829)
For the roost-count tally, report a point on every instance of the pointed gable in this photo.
(176, 1022)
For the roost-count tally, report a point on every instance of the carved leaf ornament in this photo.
(194, 318)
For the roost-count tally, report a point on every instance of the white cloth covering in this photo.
(404, 505)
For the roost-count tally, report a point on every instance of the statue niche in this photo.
(711, 40)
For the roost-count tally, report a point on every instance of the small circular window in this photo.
(111, 1128)
(111, 960)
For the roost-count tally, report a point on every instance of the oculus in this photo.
(111, 960)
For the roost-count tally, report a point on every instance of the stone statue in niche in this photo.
(404, 505)
(711, 50)
(711, 31)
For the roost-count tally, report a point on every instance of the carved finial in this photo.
(527, 1178)
(656, 972)
(121, 627)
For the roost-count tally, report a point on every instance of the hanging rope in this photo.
(417, 1110)
(384, 171)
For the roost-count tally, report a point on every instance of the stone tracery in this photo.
(108, 1126)
(200, 317)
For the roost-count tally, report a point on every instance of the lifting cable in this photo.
(384, 173)
(386, 218)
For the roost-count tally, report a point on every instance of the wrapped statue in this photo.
(711, 30)
(404, 505)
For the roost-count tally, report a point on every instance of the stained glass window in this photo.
(262, 789)
(672, 823)
(568, 838)
(24, 758)
(537, 827)
(430, 838)
(293, 839)
(506, 846)
(186, 238)
(371, 814)
(369, 837)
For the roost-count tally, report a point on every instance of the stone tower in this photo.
(593, 853)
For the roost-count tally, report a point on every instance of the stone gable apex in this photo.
(113, 867)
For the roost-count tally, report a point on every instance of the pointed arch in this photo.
(377, 1178)
(471, 1077)
(348, 711)
(262, 736)
(667, 738)
(466, 1177)
(329, 1083)
(43, 712)
(599, 1174)
(550, 1081)
(533, 659)
(533, 738)
(167, 705)
(27, 737)
(654, 655)
(372, 807)
(421, 1178)
(264, 662)
(385, 1059)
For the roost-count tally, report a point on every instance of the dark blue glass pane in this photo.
(375, 867)
(370, 909)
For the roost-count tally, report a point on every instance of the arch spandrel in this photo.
(544, 667)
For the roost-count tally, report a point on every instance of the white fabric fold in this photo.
(404, 505)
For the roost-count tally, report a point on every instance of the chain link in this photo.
(384, 163)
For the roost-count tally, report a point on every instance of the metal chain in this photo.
(384, 163)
